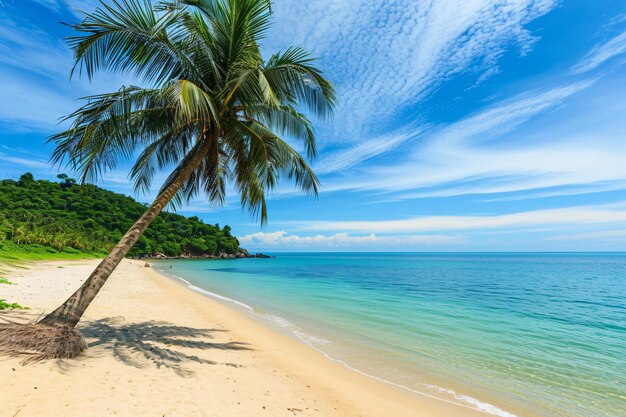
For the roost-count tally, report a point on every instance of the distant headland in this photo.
(40, 217)
(241, 253)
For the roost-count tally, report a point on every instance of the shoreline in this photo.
(240, 254)
(251, 368)
(249, 312)
(404, 394)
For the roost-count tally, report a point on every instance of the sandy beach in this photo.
(160, 349)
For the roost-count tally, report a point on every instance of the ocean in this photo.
(512, 334)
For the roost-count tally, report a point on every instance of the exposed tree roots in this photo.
(37, 342)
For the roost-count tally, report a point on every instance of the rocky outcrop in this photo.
(242, 253)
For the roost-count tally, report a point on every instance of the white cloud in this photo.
(24, 162)
(597, 187)
(494, 121)
(74, 6)
(346, 158)
(463, 171)
(52, 4)
(78, 6)
(285, 240)
(38, 65)
(604, 235)
(31, 49)
(571, 216)
(601, 53)
(578, 146)
(31, 105)
(503, 117)
(386, 56)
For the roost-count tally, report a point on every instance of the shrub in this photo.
(15, 306)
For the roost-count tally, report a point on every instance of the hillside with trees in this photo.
(66, 217)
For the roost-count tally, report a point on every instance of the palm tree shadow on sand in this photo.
(155, 343)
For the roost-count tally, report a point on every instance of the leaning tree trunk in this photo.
(70, 312)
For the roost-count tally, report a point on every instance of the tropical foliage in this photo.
(4, 305)
(213, 108)
(45, 216)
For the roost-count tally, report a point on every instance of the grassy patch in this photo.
(5, 281)
(10, 252)
(14, 306)
(18, 256)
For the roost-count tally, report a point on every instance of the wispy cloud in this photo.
(605, 235)
(284, 239)
(601, 53)
(52, 4)
(38, 64)
(29, 48)
(503, 117)
(14, 161)
(596, 187)
(357, 154)
(33, 105)
(489, 171)
(387, 56)
(578, 216)
(479, 154)
(493, 121)
(76, 7)
(25, 162)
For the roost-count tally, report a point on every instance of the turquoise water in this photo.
(511, 334)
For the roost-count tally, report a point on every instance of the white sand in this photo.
(159, 349)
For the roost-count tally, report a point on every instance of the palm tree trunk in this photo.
(70, 312)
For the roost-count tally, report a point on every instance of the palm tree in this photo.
(214, 110)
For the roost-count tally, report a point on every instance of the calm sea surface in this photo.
(512, 334)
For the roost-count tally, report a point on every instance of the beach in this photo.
(160, 349)
(249, 208)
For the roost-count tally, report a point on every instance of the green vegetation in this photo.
(4, 305)
(15, 306)
(211, 107)
(48, 220)
(15, 255)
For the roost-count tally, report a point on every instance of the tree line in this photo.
(68, 217)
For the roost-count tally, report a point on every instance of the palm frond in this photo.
(110, 127)
(295, 80)
(129, 36)
(209, 87)
(192, 103)
(286, 120)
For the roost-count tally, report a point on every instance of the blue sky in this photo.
(462, 126)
